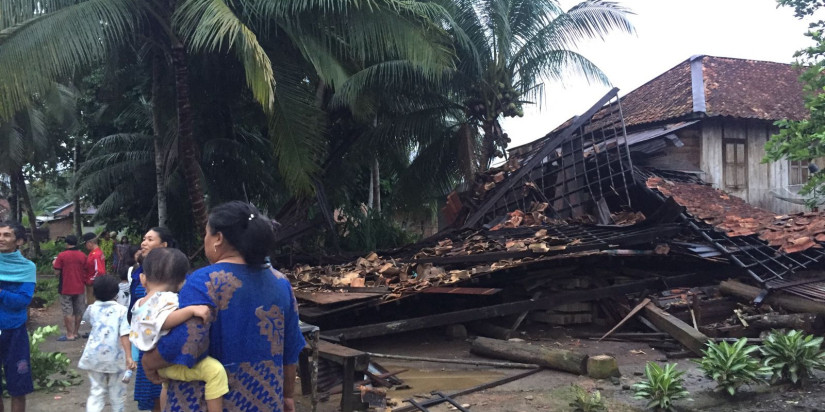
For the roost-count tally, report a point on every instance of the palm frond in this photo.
(587, 20)
(59, 42)
(211, 25)
(555, 65)
(296, 128)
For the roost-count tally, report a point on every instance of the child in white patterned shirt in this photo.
(107, 353)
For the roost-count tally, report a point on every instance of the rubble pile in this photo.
(404, 276)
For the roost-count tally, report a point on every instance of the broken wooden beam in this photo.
(504, 309)
(557, 359)
(681, 331)
(635, 310)
(790, 303)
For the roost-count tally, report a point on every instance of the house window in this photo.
(798, 172)
(735, 163)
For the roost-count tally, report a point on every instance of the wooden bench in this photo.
(351, 360)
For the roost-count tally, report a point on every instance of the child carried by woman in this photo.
(164, 272)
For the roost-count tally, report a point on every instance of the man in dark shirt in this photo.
(70, 268)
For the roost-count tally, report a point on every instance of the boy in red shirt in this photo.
(70, 268)
(95, 264)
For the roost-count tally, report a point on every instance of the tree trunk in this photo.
(13, 204)
(467, 153)
(186, 138)
(558, 359)
(375, 186)
(160, 180)
(492, 133)
(76, 216)
(24, 194)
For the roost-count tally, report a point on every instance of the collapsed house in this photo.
(617, 200)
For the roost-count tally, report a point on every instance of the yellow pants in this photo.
(208, 370)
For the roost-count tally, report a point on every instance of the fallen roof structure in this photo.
(570, 209)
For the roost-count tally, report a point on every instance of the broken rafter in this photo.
(549, 147)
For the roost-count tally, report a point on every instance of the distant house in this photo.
(61, 223)
(712, 116)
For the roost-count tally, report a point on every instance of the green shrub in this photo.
(662, 387)
(48, 251)
(50, 370)
(45, 292)
(731, 365)
(792, 356)
(587, 401)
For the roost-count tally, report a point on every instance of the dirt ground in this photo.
(543, 391)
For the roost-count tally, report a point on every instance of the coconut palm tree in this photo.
(39, 43)
(514, 46)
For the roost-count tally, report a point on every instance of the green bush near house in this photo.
(663, 386)
(587, 401)
(45, 292)
(792, 356)
(731, 365)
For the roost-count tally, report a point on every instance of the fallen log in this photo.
(790, 303)
(558, 359)
(800, 321)
(681, 331)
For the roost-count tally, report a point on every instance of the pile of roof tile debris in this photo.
(732, 215)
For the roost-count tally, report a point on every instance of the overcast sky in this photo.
(668, 32)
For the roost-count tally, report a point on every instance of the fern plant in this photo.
(792, 356)
(731, 365)
(663, 386)
(586, 401)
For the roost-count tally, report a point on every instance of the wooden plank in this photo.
(683, 333)
(635, 310)
(327, 298)
(461, 291)
(341, 354)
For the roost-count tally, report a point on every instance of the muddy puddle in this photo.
(424, 381)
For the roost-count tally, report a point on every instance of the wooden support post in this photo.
(348, 386)
(681, 331)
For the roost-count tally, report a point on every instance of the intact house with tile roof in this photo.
(712, 116)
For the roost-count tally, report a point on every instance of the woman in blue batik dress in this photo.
(255, 332)
(147, 394)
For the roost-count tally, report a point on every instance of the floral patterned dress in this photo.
(254, 335)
